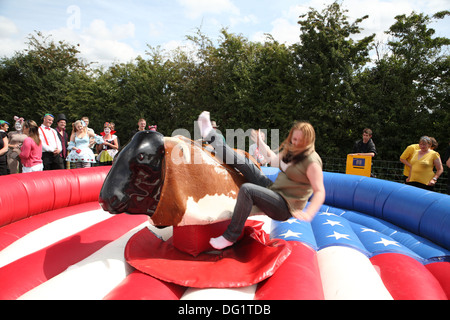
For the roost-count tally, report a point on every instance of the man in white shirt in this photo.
(51, 145)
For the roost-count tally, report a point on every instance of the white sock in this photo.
(220, 243)
(204, 123)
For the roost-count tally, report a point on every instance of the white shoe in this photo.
(204, 123)
(220, 243)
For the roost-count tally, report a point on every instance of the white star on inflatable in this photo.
(333, 223)
(338, 236)
(327, 214)
(290, 233)
(387, 242)
(368, 230)
(291, 221)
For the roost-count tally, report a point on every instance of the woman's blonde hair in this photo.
(289, 152)
(77, 123)
(33, 132)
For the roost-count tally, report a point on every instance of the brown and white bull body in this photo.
(173, 180)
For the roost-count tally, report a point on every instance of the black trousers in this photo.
(255, 192)
(52, 161)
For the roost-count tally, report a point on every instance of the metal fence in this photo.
(386, 170)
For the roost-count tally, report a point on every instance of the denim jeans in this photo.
(255, 192)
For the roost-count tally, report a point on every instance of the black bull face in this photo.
(135, 179)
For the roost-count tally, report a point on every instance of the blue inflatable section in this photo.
(374, 216)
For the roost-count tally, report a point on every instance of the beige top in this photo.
(293, 184)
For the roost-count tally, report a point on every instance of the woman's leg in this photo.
(238, 161)
(268, 201)
(80, 165)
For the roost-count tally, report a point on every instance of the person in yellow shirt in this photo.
(409, 152)
(422, 164)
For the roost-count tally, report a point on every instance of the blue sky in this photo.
(118, 31)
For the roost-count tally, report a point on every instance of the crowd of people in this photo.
(32, 147)
(35, 148)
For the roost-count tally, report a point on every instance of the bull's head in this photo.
(134, 182)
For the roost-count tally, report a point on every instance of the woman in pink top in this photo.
(31, 151)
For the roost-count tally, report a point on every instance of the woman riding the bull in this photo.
(300, 177)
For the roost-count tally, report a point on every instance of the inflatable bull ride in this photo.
(59, 239)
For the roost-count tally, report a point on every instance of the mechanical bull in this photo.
(175, 181)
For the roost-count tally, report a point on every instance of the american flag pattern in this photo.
(76, 252)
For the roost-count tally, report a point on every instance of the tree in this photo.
(39, 80)
(328, 60)
(325, 79)
(406, 93)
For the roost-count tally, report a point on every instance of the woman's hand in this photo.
(255, 136)
(301, 215)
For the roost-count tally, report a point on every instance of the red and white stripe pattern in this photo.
(76, 251)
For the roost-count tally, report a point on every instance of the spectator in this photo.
(255, 153)
(4, 126)
(61, 123)
(422, 163)
(31, 151)
(92, 140)
(86, 121)
(16, 139)
(113, 132)
(51, 145)
(365, 146)
(409, 152)
(446, 160)
(80, 153)
(108, 149)
(141, 127)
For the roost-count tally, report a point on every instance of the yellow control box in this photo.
(359, 165)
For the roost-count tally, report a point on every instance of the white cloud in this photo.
(285, 28)
(123, 31)
(285, 32)
(252, 19)
(106, 35)
(10, 44)
(7, 28)
(155, 29)
(381, 15)
(98, 29)
(197, 8)
(185, 46)
(100, 43)
(106, 51)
